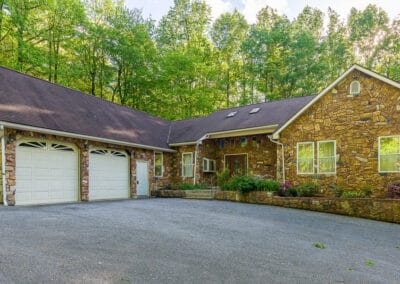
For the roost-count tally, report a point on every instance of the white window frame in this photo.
(183, 164)
(162, 164)
(297, 157)
(379, 154)
(318, 156)
(209, 162)
(357, 83)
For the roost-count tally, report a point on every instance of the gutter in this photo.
(283, 156)
(198, 142)
(3, 164)
(79, 136)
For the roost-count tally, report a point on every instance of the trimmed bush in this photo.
(307, 190)
(267, 185)
(223, 179)
(242, 183)
(352, 194)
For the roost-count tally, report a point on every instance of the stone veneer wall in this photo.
(355, 122)
(260, 151)
(387, 210)
(83, 146)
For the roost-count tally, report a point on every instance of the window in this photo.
(254, 110)
(243, 142)
(232, 114)
(355, 88)
(326, 157)
(158, 164)
(209, 165)
(305, 158)
(187, 164)
(389, 154)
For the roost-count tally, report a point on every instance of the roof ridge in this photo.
(80, 92)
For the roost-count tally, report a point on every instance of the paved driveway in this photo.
(184, 241)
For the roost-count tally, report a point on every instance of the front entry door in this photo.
(142, 179)
(236, 164)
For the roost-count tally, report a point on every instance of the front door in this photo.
(142, 179)
(236, 164)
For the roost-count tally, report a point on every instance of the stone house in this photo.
(60, 145)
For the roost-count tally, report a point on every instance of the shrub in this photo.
(189, 186)
(242, 183)
(352, 194)
(337, 189)
(366, 190)
(267, 185)
(223, 179)
(307, 190)
(285, 190)
(394, 189)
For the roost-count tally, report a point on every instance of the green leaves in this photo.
(185, 65)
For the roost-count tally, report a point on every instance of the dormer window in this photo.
(355, 88)
(232, 114)
(254, 110)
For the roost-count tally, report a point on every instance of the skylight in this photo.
(232, 114)
(254, 110)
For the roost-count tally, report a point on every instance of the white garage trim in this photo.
(109, 174)
(47, 172)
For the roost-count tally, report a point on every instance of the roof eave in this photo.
(81, 136)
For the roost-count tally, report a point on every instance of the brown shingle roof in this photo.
(271, 113)
(31, 101)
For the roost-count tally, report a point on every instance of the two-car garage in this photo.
(48, 172)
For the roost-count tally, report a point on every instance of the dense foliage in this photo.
(185, 65)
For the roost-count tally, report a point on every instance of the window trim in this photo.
(318, 156)
(162, 163)
(355, 82)
(297, 157)
(379, 153)
(183, 164)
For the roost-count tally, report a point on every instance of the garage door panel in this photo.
(108, 175)
(45, 174)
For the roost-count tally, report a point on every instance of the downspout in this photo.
(283, 156)
(3, 164)
(198, 142)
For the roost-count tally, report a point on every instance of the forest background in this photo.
(185, 65)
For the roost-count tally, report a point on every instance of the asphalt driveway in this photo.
(185, 241)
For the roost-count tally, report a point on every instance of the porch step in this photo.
(200, 194)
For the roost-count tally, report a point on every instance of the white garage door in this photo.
(46, 172)
(108, 174)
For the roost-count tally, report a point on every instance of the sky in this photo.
(157, 8)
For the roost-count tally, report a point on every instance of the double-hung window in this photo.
(305, 158)
(158, 164)
(187, 164)
(389, 154)
(326, 157)
(325, 160)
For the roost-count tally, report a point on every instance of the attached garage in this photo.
(109, 174)
(46, 172)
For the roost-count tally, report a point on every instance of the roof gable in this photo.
(327, 89)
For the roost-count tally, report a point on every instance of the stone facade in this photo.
(355, 122)
(13, 136)
(260, 152)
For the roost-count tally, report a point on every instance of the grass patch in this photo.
(349, 269)
(369, 263)
(319, 245)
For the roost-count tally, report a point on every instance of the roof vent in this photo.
(355, 88)
(232, 114)
(254, 110)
